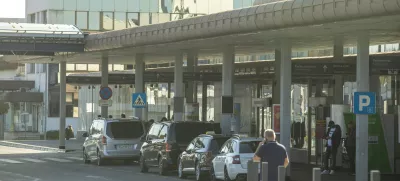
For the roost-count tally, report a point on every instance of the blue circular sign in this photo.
(105, 93)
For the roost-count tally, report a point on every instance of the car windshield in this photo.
(122, 130)
(187, 132)
(248, 146)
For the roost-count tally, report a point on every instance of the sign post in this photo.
(364, 105)
(105, 94)
(139, 101)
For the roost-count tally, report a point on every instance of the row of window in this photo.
(93, 67)
(155, 6)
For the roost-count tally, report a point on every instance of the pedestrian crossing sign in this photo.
(139, 100)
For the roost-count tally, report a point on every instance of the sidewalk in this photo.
(45, 145)
(303, 172)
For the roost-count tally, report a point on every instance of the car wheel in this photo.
(143, 166)
(100, 161)
(226, 175)
(199, 175)
(212, 174)
(161, 166)
(86, 160)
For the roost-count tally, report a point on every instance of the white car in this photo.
(231, 162)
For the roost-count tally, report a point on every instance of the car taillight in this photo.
(167, 147)
(236, 159)
(104, 140)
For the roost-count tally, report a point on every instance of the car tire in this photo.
(86, 160)
(226, 175)
(161, 167)
(143, 166)
(100, 161)
(199, 174)
(181, 174)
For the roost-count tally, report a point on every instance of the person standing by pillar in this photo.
(351, 147)
(333, 137)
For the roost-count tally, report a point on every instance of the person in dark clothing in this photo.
(351, 147)
(123, 116)
(110, 116)
(334, 137)
(273, 153)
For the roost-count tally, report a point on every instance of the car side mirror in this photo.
(85, 135)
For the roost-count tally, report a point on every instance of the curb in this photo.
(33, 147)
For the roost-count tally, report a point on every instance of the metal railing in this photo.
(253, 172)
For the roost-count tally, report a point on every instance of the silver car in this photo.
(114, 139)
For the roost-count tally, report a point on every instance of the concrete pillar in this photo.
(276, 84)
(362, 120)
(104, 81)
(169, 105)
(139, 82)
(228, 68)
(191, 88)
(178, 82)
(63, 97)
(285, 96)
(339, 82)
(204, 102)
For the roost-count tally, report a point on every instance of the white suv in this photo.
(231, 162)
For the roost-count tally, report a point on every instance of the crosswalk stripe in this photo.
(74, 158)
(57, 160)
(32, 160)
(9, 161)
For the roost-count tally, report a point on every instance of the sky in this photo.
(12, 8)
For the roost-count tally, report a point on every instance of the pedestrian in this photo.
(273, 153)
(123, 115)
(69, 132)
(110, 116)
(333, 137)
(351, 147)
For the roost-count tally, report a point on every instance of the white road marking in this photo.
(32, 160)
(58, 160)
(75, 158)
(9, 161)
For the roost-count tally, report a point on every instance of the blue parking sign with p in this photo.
(364, 103)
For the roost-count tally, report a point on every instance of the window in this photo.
(163, 132)
(154, 131)
(93, 67)
(191, 145)
(144, 6)
(224, 148)
(70, 67)
(232, 147)
(117, 67)
(94, 20)
(199, 144)
(166, 6)
(125, 130)
(107, 21)
(44, 17)
(154, 6)
(248, 147)
(134, 5)
(82, 20)
(81, 67)
(133, 20)
(120, 21)
(69, 17)
(33, 18)
(216, 144)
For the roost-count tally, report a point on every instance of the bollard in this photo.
(375, 175)
(281, 173)
(252, 170)
(316, 174)
(264, 171)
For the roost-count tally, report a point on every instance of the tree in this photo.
(4, 107)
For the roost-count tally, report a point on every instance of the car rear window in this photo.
(248, 147)
(187, 132)
(122, 130)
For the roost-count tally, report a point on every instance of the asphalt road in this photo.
(17, 164)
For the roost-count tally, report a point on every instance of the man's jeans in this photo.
(330, 152)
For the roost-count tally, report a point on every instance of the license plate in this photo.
(124, 147)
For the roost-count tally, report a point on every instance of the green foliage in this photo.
(52, 135)
(4, 107)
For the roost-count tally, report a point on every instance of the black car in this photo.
(198, 156)
(165, 141)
